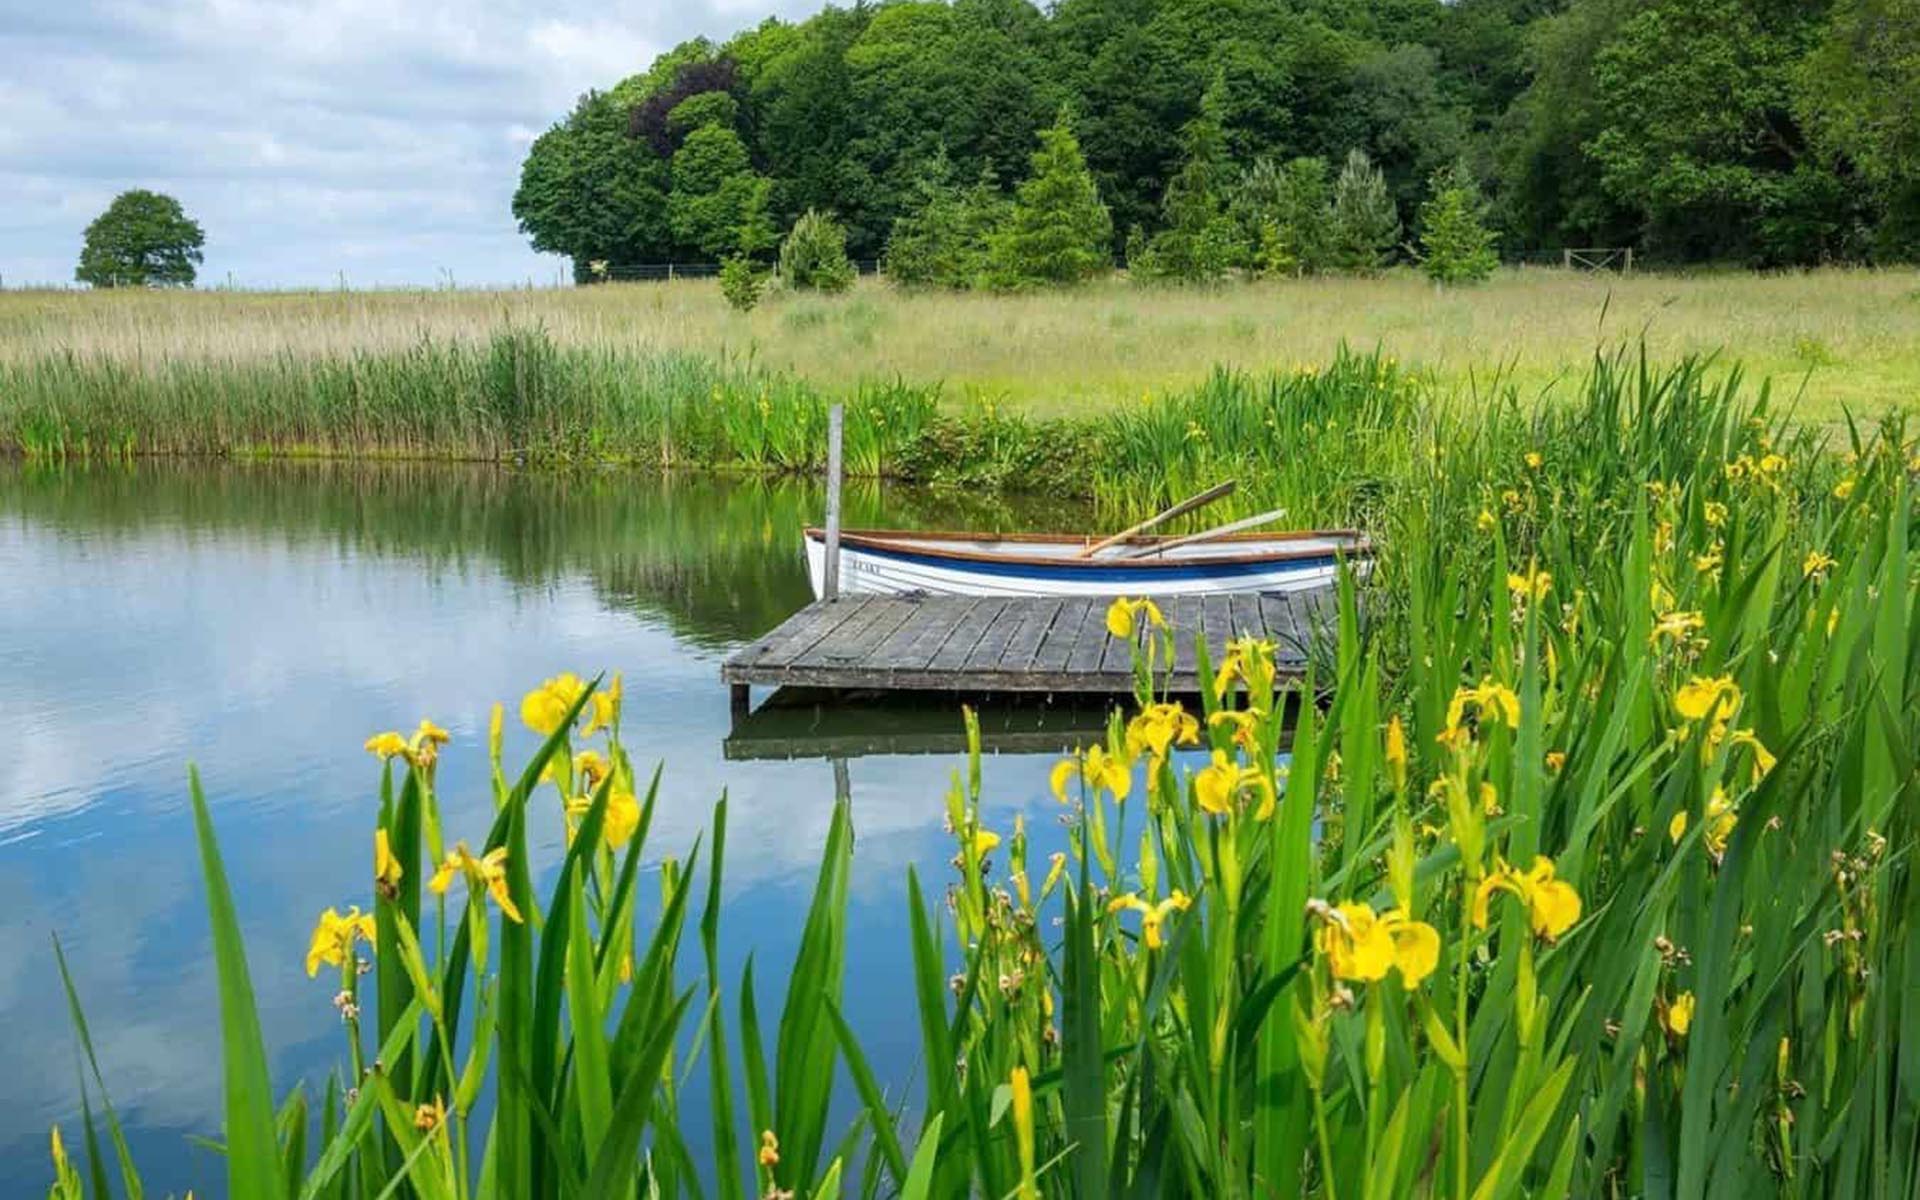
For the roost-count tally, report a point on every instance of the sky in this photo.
(377, 141)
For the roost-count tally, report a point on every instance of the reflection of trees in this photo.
(717, 557)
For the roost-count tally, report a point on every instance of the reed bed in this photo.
(1589, 872)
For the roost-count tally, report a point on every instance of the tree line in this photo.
(1276, 135)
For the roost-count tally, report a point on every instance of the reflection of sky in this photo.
(268, 661)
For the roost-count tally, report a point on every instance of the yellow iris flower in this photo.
(386, 745)
(1124, 615)
(1159, 727)
(1700, 697)
(545, 707)
(1396, 754)
(1534, 460)
(1490, 701)
(486, 873)
(1152, 916)
(1245, 723)
(591, 767)
(1363, 947)
(1722, 817)
(621, 820)
(333, 938)
(984, 840)
(1553, 906)
(1248, 659)
(1816, 563)
(1223, 782)
(603, 708)
(1097, 768)
(1677, 626)
(386, 868)
(1534, 585)
(1680, 1014)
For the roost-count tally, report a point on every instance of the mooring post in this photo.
(830, 572)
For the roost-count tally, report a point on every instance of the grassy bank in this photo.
(1594, 876)
(1854, 334)
(1330, 444)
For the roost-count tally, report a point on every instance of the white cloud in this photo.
(382, 137)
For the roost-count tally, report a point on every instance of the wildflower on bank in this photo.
(769, 1155)
(1249, 660)
(1678, 626)
(386, 868)
(1223, 782)
(1363, 947)
(429, 1117)
(386, 745)
(1152, 916)
(1722, 816)
(486, 873)
(1844, 489)
(1123, 615)
(1815, 564)
(1553, 906)
(621, 820)
(334, 936)
(1489, 701)
(1680, 1015)
(545, 707)
(1245, 723)
(1396, 754)
(1159, 727)
(1021, 1088)
(1096, 768)
(1531, 586)
(1701, 697)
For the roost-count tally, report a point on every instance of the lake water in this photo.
(262, 621)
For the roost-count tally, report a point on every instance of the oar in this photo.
(1206, 535)
(1181, 509)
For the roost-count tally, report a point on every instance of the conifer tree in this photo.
(1201, 242)
(1058, 231)
(1365, 223)
(1455, 244)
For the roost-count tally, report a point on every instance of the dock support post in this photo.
(740, 700)
(830, 573)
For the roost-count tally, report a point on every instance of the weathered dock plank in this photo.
(1003, 644)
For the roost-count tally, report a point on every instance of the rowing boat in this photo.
(894, 562)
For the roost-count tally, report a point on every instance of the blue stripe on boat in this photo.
(1101, 574)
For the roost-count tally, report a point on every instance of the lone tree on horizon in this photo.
(143, 239)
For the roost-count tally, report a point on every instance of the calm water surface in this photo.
(262, 621)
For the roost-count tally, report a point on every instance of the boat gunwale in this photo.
(895, 540)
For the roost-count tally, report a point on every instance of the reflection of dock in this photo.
(816, 723)
(1054, 645)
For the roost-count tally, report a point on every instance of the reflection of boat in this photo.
(1029, 564)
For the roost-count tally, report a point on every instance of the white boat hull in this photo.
(899, 570)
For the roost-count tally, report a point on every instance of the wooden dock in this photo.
(1006, 644)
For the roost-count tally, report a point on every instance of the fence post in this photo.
(1628, 268)
(1566, 260)
(830, 571)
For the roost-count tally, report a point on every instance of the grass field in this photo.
(1852, 336)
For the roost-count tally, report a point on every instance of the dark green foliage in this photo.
(716, 193)
(1058, 231)
(814, 256)
(942, 240)
(589, 191)
(144, 239)
(1200, 242)
(1288, 212)
(1763, 131)
(1365, 223)
(740, 282)
(1455, 244)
